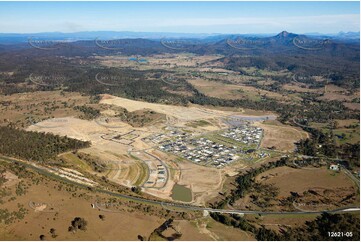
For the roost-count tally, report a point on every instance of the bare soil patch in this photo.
(281, 136)
(11, 178)
(353, 106)
(180, 112)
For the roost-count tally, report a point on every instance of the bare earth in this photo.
(179, 112)
(281, 136)
(134, 162)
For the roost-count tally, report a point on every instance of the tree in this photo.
(141, 238)
(78, 223)
(136, 190)
(53, 233)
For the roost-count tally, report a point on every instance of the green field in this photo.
(342, 135)
(215, 137)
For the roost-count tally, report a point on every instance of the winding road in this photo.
(172, 204)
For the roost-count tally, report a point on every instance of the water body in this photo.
(181, 193)
(138, 60)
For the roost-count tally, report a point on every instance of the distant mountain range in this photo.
(129, 43)
(8, 38)
(317, 55)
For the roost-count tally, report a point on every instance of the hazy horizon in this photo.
(199, 33)
(180, 17)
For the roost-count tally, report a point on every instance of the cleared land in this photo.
(318, 188)
(204, 182)
(130, 169)
(230, 91)
(58, 208)
(122, 168)
(123, 149)
(299, 189)
(300, 87)
(282, 137)
(179, 112)
(350, 99)
(164, 61)
(299, 180)
(58, 204)
(211, 230)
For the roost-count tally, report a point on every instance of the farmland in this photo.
(304, 189)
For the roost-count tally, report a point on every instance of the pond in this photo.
(181, 193)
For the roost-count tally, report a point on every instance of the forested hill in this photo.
(35, 146)
(314, 55)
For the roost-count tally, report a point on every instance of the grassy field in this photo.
(56, 206)
(282, 137)
(215, 137)
(318, 188)
(231, 91)
(39, 106)
(198, 123)
(138, 172)
(74, 160)
(299, 180)
(346, 131)
(294, 189)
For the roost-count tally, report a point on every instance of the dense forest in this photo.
(34, 145)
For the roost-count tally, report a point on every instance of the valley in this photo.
(217, 141)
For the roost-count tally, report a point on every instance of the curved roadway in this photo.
(178, 205)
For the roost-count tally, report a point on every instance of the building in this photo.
(334, 167)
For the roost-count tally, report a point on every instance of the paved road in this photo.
(177, 205)
(164, 164)
(349, 174)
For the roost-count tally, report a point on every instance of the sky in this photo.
(180, 17)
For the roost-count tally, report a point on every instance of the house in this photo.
(334, 167)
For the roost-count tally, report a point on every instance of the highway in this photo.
(43, 171)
